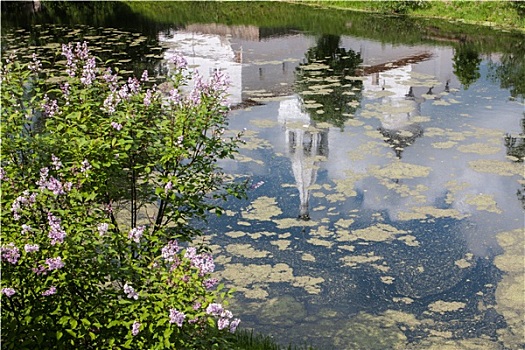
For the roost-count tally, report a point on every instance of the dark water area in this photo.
(384, 155)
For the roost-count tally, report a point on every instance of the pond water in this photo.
(386, 200)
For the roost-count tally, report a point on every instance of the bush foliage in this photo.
(101, 177)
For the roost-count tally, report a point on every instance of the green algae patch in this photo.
(376, 233)
(510, 291)
(478, 148)
(246, 251)
(263, 208)
(496, 167)
(420, 213)
(484, 202)
(289, 222)
(235, 234)
(264, 123)
(281, 244)
(441, 306)
(356, 260)
(444, 144)
(400, 170)
(308, 257)
(284, 310)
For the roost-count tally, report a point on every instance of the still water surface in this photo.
(386, 201)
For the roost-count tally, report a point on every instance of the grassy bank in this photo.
(499, 14)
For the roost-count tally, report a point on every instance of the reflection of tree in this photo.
(327, 85)
(511, 70)
(516, 148)
(466, 64)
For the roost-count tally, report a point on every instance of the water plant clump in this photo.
(100, 178)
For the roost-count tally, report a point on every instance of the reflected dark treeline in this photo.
(275, 19)
(330, 87)
(516, 148)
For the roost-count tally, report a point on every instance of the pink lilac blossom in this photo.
(56, 233)
(223, 323)
(130, 292)
(210, 283)
(88, 72)
(26, 229)
(67, 51)
(136, 234)
(52, 290)
(56, 162)
(50, 106)
(10, 253)
(54, 263)
(102, 229)
(168, 187)
(111, 79)
(85, 166)
(110, 103)
(204, 262)
(3, 176)
(135, 328)
(30, 248)
(214, 309)
(179, 61)
(39, 270)
(169, 251)
(147, 98)
(35, 66)
(133, 85)
(234, 324)
(144, 76)
(116, 126)
(177, 317)
(9, 292)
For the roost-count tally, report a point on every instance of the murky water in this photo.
(386, 200)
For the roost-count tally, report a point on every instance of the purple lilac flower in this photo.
(168, 187)
(136, 234)
(88, 72)
(10, 253)
(204, 262)
(67, 51)
(177, 317)
(35, 66)
(44, 172)
(82, 51)
(54, 263)
(26, 229)
(214, 309)
(179, 61)
(3, 176)
(55, 186)
(110, 103)
(102, 229)
(135, 329)
(133, 85)
(17, 205)
(169, 250)
(210, 283)
(116, 126)
(39, 270)
(130, 292)
(123, 92)
(56, 162)
(9, 292)
(174, 96)
(234, 324)
(147, 98)
(111, 79)
(56, 233)
(197, 305)
(144, 76)
(85, 166)
(65, 91)
(30, 248)
(223, 323)
(50, 106)
(52, 290)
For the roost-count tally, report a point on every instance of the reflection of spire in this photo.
(305, 144)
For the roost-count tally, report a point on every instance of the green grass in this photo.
(501, 14)
(247, 340)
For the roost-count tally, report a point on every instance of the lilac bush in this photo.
(101, 178)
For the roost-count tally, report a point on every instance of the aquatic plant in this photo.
(100, 177)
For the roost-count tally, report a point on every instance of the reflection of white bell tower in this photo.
(305, 145)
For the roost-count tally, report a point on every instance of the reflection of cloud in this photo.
(207, 53)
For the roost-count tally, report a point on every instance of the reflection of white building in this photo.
(305, 144)
(207, 53)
